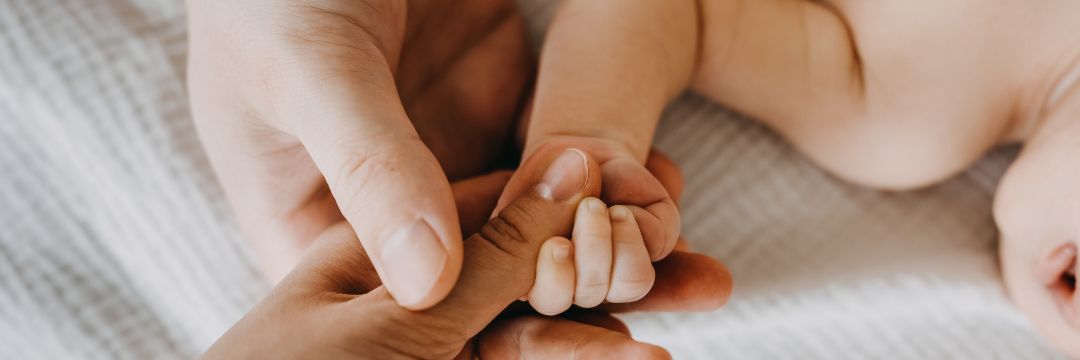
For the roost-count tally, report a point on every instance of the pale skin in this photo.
(891, 95)
(607, 243)
(317, 111)
(582, 101)
(605, 258)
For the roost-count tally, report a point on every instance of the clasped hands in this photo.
(333, 305)
(346, 121)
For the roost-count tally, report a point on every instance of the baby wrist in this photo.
(608, 142)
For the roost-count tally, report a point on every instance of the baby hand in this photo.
(606, 259)
(625, 181)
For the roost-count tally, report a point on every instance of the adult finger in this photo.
(598, 319)
(502, 256)
(324, 270)
(500, 269)
(556, 338)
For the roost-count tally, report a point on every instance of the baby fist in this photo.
(624, 181)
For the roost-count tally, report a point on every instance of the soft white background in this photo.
(115, 241)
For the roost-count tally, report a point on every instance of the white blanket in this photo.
(115, 240)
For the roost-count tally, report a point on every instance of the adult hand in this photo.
(306, 124)
(332, 305)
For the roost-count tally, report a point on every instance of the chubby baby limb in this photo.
(610, 109)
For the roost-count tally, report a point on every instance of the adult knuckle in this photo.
(510, 232)
(502, 229)
(503, 234)
(352, 178)
(361, 166)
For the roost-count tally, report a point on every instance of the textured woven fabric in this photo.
(116, 242)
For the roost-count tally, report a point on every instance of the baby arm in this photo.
(606, 72)
(605, 241)
(608, 69)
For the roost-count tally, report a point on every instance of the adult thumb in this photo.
(386, 182)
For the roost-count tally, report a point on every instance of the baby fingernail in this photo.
(412, 260)
(561, 253)
(620, 213)
(594, 205)
(565, 177)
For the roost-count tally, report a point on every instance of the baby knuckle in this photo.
(592, 286)
(593, 236)
(633, 283)
(623, 292)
